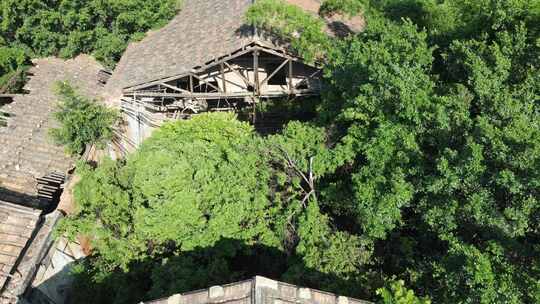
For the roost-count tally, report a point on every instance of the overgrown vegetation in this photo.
(82, 121)
(103, 28)
(13, 66)
(422, 165)
(290, 21)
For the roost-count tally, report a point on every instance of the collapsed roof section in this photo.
(33, 170)
(32, 167)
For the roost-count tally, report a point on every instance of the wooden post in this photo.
(257, 84)
(256, 72)
(224, 83)
(291, 88)
(191, 85)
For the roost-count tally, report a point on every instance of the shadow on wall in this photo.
(55, 290)
(226, 262)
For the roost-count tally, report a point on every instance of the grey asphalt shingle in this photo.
(202, 31)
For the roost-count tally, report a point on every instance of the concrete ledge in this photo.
(304, 293)
(216, 292)
(174, 299)
(262, 282)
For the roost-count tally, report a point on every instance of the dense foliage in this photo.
(66, 28)
(82, 121)
(435, 106)
(205, 202)
(422, 165)
(13, 62)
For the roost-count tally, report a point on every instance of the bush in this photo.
(11, 59)
(13, 67)
(13, 82)
(396, 293)
(82, 121)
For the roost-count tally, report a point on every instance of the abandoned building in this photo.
(33, 171)
(258, 290)
(205, 60)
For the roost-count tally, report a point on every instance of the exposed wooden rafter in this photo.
(219, 95)
(174, 88)
(246, 81)
(218, 61)
(276, 71)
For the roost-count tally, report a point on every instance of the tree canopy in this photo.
(66, 28)
(437, 108)
(202, 194)
(421, 169)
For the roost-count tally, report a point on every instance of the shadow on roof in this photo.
(17, 198)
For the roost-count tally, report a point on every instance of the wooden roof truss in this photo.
(209, 83)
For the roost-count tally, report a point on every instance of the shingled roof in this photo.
(27, 153)
(202, 31)
(26, 149)
(17, 227)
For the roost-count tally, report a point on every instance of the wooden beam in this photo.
(291, 88)
(225, 58)
(154, 82)
(275, 71)
(247, 82)
(198, 70)
(230, 82)
(230, 95)
(244, 50)
(307, 78)
(194, 95)
(207, 83)
(174, 88)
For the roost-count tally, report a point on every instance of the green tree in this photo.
(67, 28)
(436, 135)
(204, 193)
(305, 31)
(13, 66)
(82, 121)
(423, 163)
(398, 294)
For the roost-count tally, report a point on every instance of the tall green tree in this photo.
(66, 28)
(436, 121)
(204, 193)
(423, 165)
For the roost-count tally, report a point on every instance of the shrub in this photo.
(82, 121)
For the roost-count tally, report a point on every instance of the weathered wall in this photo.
(259, 290)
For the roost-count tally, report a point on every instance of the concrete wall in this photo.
(259, 290)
